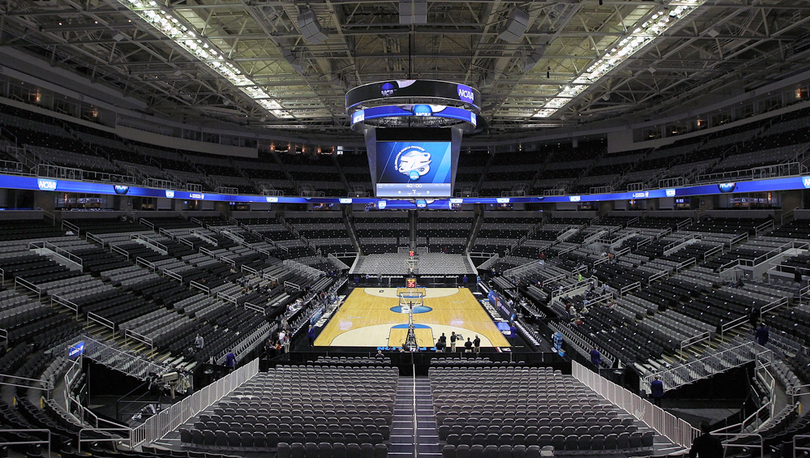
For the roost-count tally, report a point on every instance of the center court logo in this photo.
(46, 185)
(413, 161)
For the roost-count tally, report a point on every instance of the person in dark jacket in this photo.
(596, 358)
(753, 317)
(706, 445)
(761, 334)
(657, 391)
(230, 361)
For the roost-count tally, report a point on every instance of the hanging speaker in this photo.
(515, 26)
(310, 28)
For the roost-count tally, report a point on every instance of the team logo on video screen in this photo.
(413, 161)
(726, 187)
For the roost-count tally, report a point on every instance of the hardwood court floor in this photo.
(366, 320)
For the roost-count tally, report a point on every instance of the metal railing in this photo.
(172, 418)
(801, 448)
(675, 429)
(70, 173)
(30, 433)
(25, 382)
(102, 321)
(19, 281)
(65, 303)
(756, 173)
(58, 251)
(740, 321)
(707, 365)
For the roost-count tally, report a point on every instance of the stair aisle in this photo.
(427, 432)
(413, 431)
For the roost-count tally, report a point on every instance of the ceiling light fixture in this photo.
(641, 36)
(165, 22)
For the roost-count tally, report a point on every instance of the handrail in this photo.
(128, 363)
(147, 223)
(71, 226)
(129, 333)
(625, 290)
(65, 303)
(728, 443)
(120, 251)
(151, 242)
(675, 429)
(35, 383)
(671, 375)
(103, 439)
(200, 286)
(170, 419)
(102, 321)
(174, 275)
(28, 432)
(739, 321)
(72, 173)
(95, 238)
(711, 252)
(800, 448)
(703, 336)
(767, 171)
(145, 263)
(59, 251)
(19, 281)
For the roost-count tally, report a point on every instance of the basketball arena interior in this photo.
(404, 228)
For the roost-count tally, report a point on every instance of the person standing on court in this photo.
(453, 342)
(477, 344)
(706, 445)
(657, 390)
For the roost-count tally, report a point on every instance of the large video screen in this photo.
(413, 163)
(414, 169)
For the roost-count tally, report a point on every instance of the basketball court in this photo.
(379, 317)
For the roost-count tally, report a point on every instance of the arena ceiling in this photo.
(259, 62)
